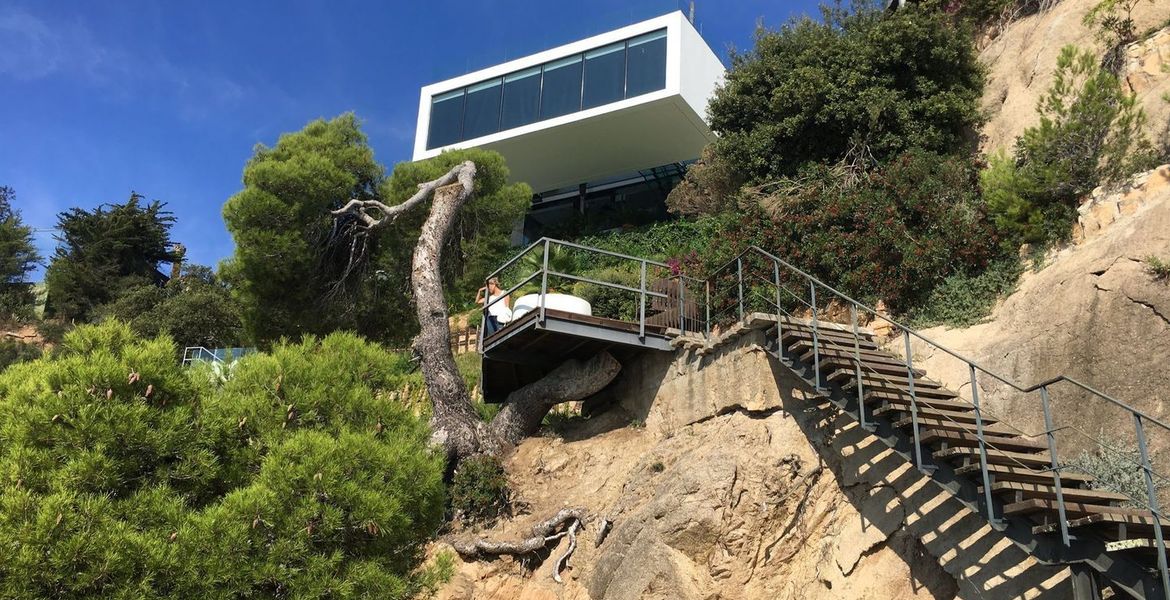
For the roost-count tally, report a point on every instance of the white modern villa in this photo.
(601, 128)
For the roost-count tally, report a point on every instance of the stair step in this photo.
(877, 357)
(1019, 474)
(867, 366)
(998, 457)
(963, 415)
(968, 426)
(1027, 491)
(904, 400)
(958, 439)
(1132, 523)
(793, 333)
(1072, 510)
(874, 380)
(897, 391)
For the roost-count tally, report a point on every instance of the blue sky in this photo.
(168, 98)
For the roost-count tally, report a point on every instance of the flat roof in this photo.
(651, 129)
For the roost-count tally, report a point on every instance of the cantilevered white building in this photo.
(600, 128)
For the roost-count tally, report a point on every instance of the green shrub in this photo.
(1158, 268)
(124, 475)
(893, 235)
(861, 85)
(1090, 133)
(15, 351)
(963, 299)
(1118, 470)
(479, 490)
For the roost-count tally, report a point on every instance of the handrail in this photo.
(1003, 379)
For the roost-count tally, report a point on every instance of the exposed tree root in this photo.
(543, 533)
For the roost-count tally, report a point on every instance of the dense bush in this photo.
(122, 475)
(196, 309)
(964, 299)
(18, 259)
(1090, 133)
(861, 85)
(479, 490)
(893, 235)
(15, 351)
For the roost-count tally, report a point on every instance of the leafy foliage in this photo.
(965, 299)
(292, 267)
(479, 490)
(1113, 20)
(103, 252)
(894, 235)
(16, 351)
(18, 258)
(1090, 132)
(859, 85)
(1158, 268)
(1117, 469)
(122, 475)
(196, 309)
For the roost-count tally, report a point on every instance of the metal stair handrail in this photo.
(1139, 417)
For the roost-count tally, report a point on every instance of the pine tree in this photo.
(102, 252)
(18, 258)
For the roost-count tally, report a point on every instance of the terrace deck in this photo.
(527, 349)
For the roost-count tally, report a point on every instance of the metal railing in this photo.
(735, 289)
(648, 273)
(194, 354)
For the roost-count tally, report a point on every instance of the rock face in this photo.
(742, 486)
(1022, 59)
(1094, 313)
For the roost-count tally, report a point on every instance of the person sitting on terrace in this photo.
(500, 312)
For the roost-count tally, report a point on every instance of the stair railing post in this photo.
(913, 400)
(739, 272)
(707, 325)
(682, 305)
(982, 445)
(642, 304)
(779, 327)
(484, 317)
(812, 293)
(857, 365)
(544, 282)
(1056, 483)
(1152, 498)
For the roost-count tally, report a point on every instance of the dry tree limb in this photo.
(543, 533)
(560, 564)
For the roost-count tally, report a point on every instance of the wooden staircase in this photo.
(1004, 467)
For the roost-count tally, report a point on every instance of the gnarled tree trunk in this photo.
(454, 422)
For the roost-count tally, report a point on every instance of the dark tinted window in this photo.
(446, 119)
(521, 98)
(646, 65)
(605, 75)
(482, 115)
(561, 93)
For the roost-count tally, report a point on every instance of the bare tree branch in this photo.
(543, 533)
(375, 214)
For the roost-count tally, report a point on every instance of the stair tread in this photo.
(885, 380)
(1074, 510)
(1146, 521)
(920, 392)
(990, 427)
(791, 331)
(874, 397)
(847, 363)
(993, 442)
(1039, 490)
(994, 456)
(926, 411)
(806, 354)
(1016, 473)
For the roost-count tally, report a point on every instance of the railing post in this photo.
(642, 304)
(857, 365)
(544, 283)
(682, 305)
(779, 327)
(913, 401)
(1152, 496)
(707, 320)
(812, 293)
(739, 272)
(1051, 432)
(484, 317)
(982, 445)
